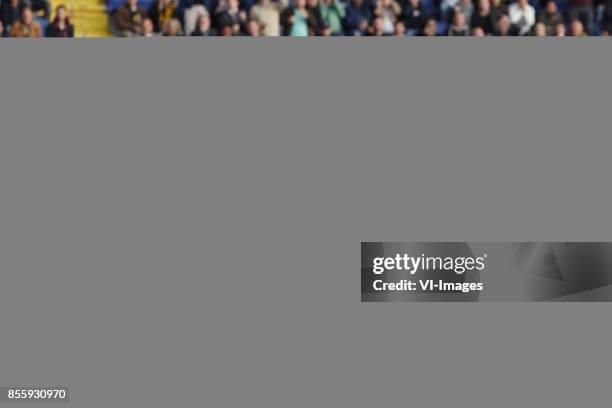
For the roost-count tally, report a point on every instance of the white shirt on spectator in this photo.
(524, 19)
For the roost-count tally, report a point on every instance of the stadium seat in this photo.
(442, 28)
(43, 23)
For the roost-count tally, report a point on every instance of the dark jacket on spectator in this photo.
(315, 20)
(550, 21)
(211, 5)
(607, 17)
(581, 3)
(210, 33)
(9, 15)
(126, 20)
(484, 22)
(498, 11)
(245, 5)
(354, 16)
(454, 31)
(227, 18)
(415, 17)
(156, 15)
(53, 30)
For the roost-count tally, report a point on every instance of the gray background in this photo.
(180, 221)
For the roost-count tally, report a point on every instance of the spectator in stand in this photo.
(503, 28)
(226, 29)
(295, 20)
(192, 10)
(148, 29)
(26, 27)
(389, 11)
(582, 10)
(606, 23)
(482, 18)
(539, 30)
(10, 12)
(128, 19)
(39, 6)
(415, 16)
(449, 7)
(358, 15)
(230, 15)
(298, 18)
(326, 30)
(315, 21)
(467, 7)
(60, 27)
(550, 18)
(253, 28)
(332, 13)
(378, 28)
(478, 32)
(400, 29)
(162, 11)
(203, 28)
(172, 28)
(522, 16)
(578, 29)
(498, 9)
(267, 13)
(431, 28)
(459, 26)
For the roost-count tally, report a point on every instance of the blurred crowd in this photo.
(31, 18)
(302, 18)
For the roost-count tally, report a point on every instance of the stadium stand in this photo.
(89, 17)
(98, 18)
